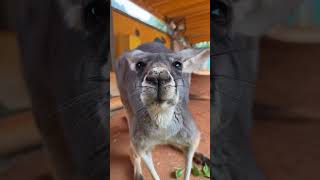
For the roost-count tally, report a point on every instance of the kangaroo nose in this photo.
(164, 77)
(152, 80)
(158, 77)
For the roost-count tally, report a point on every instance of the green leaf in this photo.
(179, 173)
(195, 171)
(206, 170)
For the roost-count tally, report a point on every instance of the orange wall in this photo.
(126, 25)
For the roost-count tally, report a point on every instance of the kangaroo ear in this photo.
(135, 54)
(193, 59)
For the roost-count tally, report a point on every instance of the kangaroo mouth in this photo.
(159, 95)
(159, 100)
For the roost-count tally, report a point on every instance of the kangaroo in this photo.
(154, 88)
(64, 48)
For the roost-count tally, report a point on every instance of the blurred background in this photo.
(177, 24)
(13, 96)
(21, 154)
(287, 115)
(287, 105)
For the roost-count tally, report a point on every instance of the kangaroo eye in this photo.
(95, 14)
(140, 65)
(177, 65)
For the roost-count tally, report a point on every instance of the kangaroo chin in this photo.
(161, 116)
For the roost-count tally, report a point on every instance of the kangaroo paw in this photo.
(138, 176)
(200, 158)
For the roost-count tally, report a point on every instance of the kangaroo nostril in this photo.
(158, 78)
(152, 80)
(164, 77)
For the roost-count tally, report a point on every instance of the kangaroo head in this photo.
(157, 81)
(84, 15)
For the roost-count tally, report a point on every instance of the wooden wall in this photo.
(124, 24)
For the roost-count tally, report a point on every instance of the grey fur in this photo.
(152, 122)
(65, 73)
